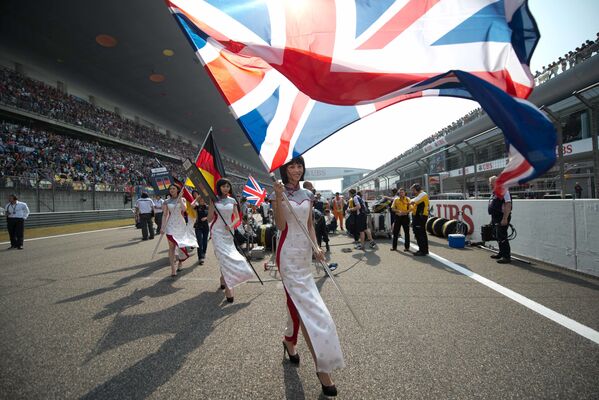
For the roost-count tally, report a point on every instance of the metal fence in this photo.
(45, 194)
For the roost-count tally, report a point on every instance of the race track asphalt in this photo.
(91, 316)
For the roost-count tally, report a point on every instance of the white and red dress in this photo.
(294, 258)
(179, 231)
(233, 265)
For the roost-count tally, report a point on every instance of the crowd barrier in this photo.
(71, 217)
(561, 232)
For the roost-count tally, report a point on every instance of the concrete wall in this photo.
(63, 200)
(560, 232)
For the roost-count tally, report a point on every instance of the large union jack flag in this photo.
(294, 72)
(254, 193)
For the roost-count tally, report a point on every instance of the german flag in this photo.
(209, 162)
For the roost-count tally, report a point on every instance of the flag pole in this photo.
(234, 243)
(204, 142)
(203, 187)
(315, 247)
(180, 194)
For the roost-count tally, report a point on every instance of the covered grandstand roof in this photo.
(129, 51)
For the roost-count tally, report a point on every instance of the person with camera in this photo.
(500, 209)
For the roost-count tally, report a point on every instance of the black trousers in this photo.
(202, 238)
(401, 221)
(419, 228)
(322, 234)
(504, 245)
(146, 225)
(16, 229)
(158, 221)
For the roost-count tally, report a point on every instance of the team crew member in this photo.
(401, 209)
(500, 210)
(338, 204)
(234, 268)
(201, 225)
(351, 219)
(392, 199)
(16, 214)
(361, 219)
(144, 207)
(305, 307)
(419, 217)
(158, 203)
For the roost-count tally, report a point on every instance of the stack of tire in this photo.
(441, 227)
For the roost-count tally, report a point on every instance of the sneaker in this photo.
(332, 266)
(496, 256)
(372, 244)
(504, 261)
(359, 247)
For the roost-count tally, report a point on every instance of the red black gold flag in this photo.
(209, 163)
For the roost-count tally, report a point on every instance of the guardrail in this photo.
(71, 217)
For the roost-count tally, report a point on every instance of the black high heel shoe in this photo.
(293, 359)
(330, 391)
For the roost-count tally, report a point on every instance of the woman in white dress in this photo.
(179, 233)
(305, 307)
(234, 268)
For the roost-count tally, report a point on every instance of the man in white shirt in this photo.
(143, 212)
(16, 214)
(265, 211)
(158, 202)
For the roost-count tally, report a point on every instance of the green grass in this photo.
(71, 228)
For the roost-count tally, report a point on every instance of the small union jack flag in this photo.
(254, 193)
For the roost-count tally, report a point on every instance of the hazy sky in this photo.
(564, 25)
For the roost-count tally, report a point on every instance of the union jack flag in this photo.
(294, 72)
(254, 193)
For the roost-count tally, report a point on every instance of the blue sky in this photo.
(564, 25)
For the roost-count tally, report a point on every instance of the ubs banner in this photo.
(560, 232)
(161, 180)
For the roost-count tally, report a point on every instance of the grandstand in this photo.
(460, 157)
(50, 139)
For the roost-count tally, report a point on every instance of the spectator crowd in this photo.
(33, 154)
(569, 60)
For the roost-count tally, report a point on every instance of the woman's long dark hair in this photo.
(173, 185)
(224, 181)
(283, 169)
(221, 182)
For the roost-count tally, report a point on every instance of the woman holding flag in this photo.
(305, 307)
(234, 267)
(179, 233)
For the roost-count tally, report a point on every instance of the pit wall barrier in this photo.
(70, 217)
(560, 232)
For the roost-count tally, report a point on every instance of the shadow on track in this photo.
(145, 270)
(370, 257)
(294, 389)
(191, 322)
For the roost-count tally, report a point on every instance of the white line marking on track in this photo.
(72, 234)
(564, 321)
